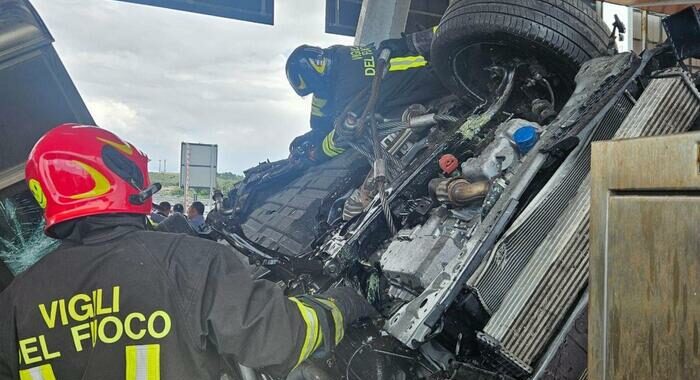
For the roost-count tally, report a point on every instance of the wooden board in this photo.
(644, 315)
(661, 6)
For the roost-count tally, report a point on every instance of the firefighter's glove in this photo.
(352, 305)
(345, 129)
(307, 147)
(397, 46)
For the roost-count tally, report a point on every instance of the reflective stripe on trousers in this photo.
(313, 335)
(143, 362)
(43, 372)
(329, 147)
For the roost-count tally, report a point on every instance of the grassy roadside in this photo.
(172, 192)
(224, 182)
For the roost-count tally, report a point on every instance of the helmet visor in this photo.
(305, 69)
(298, 84)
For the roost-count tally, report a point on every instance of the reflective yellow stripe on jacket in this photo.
(43, 372)
(317, 105)
(314, 337)
(329, 147)
(407, 63)
(313, 331)
(143, 362)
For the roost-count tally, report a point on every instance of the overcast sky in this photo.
(158, 77)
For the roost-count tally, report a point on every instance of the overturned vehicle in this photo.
(473, 238)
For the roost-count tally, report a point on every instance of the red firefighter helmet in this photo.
(75, 171)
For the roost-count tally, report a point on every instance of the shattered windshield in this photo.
(22, 238)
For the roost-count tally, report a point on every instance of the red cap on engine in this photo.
(448, 163)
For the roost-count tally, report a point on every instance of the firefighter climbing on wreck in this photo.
(340, 78)
(115, 301)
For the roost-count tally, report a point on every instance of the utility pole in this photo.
(380, 20)
(187, 172)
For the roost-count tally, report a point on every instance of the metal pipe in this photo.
(400, 140)
(422, 121)
(458, 191)
(461, 192)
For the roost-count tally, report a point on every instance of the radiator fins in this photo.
(519, 243)
(497, 274)
(556, 272)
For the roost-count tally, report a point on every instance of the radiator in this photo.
(556, 273)
(601, 80)
(519, 243)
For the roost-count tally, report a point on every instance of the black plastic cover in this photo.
(36, 92)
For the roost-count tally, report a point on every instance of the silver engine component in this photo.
(418, 255)
(414, 322)
(498, 156)
(500, 269)
(458, 191)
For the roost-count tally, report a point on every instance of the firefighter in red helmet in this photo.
(115, 301)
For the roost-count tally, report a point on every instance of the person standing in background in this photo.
(161, 212)
(195, 214)
(179, 209)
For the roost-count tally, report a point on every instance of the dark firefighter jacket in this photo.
(5, 276)
(351, 72)
(117, 302)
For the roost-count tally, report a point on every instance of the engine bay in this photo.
(446, 171)
(457, 184)
(463, 220)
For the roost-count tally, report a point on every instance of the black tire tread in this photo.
(553, 11)
(568, 30)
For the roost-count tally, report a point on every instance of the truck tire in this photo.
(290, 220)
(560, 34)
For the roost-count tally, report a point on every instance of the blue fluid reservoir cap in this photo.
(525, 138)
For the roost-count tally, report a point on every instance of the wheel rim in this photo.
(469, 67)
(469, 79)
